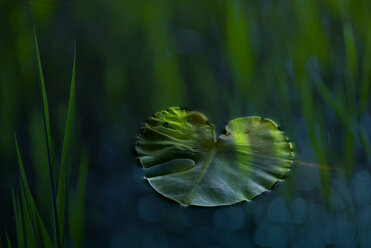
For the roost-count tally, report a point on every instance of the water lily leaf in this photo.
(183, 160)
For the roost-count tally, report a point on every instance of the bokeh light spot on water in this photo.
(278, 212)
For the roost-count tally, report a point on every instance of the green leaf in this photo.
(184, 161)
(66, 150)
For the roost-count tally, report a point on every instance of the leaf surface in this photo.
(184, 161)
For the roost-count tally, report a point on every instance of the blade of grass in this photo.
(42, 230)
(333, 102)
(37, 146)
(66, 150)
(8, 240)
(45, 105)
(366, 75)
(18, 220)
(31, 215)
(48, 142)
(29, 228)
(238, 43)
(351, 54)
(312, 114)
(342, 112)
(77, 204)
(336, 103)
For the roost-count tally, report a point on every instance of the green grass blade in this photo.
(29, 230)
(8, 240)
(238, 43)
(30, 234)
(311, 115)
(366, 75)
(48, 141)
(337, 105)
(31, 215)
(18, 220)
(351, 54)
(342, 114)
(77, 204)
(46, 241)
(66, 150)
(45, 105)
(20, 164)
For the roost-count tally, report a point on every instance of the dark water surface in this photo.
(304, 64)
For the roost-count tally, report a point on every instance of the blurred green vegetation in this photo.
(305, 64)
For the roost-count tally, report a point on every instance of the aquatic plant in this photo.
(184, 161)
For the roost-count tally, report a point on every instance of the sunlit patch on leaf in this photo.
(184, 161)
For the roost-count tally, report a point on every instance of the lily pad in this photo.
(184, 161)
